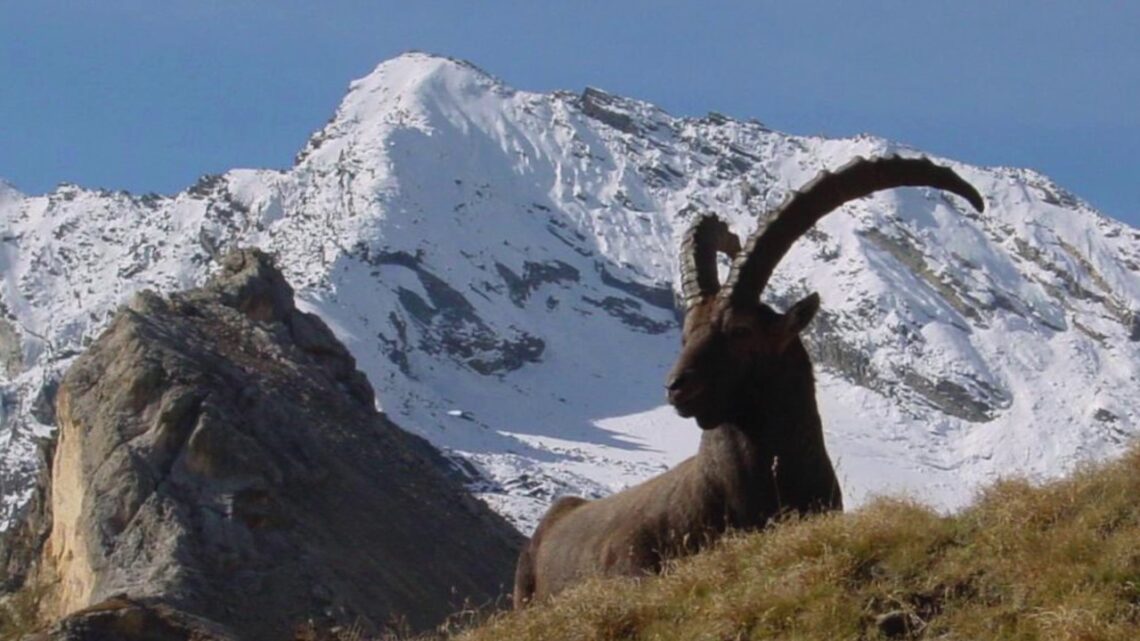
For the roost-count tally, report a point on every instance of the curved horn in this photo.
(707, 236)
(824, 193)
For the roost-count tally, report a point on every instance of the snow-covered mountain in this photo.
(503, 266)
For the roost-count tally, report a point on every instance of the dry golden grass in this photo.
(1059, 562)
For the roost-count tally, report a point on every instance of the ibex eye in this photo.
(741, 331)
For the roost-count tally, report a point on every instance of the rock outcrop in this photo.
(220, 461)
(120, 618)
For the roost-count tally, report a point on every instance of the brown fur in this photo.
(744, 375)
(742, 476)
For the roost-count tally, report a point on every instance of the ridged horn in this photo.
(824, 193)
(704, 238)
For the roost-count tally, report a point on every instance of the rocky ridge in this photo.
(220, 466)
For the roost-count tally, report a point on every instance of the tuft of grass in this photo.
(1059, 562)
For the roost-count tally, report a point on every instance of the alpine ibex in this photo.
(744, 375)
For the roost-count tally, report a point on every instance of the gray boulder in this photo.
(219, 457)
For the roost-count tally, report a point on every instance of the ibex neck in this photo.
(770, 460)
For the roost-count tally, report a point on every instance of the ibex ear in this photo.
(800, 314)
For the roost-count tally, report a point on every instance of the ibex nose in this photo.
(677, 380)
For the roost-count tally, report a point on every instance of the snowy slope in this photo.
(502, 265)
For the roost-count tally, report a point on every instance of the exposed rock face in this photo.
(11, 358)
(20, 547)
(219, 455)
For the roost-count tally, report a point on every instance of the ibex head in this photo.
(731, 342)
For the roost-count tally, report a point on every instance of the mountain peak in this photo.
(414, 66)
(414, 89)
(495, 257)
(422, 76)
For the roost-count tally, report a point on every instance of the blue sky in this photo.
(148, 96)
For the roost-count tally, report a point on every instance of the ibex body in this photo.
(744, 375)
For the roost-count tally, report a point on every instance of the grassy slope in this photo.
(1059, 562)
(1056, 562)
